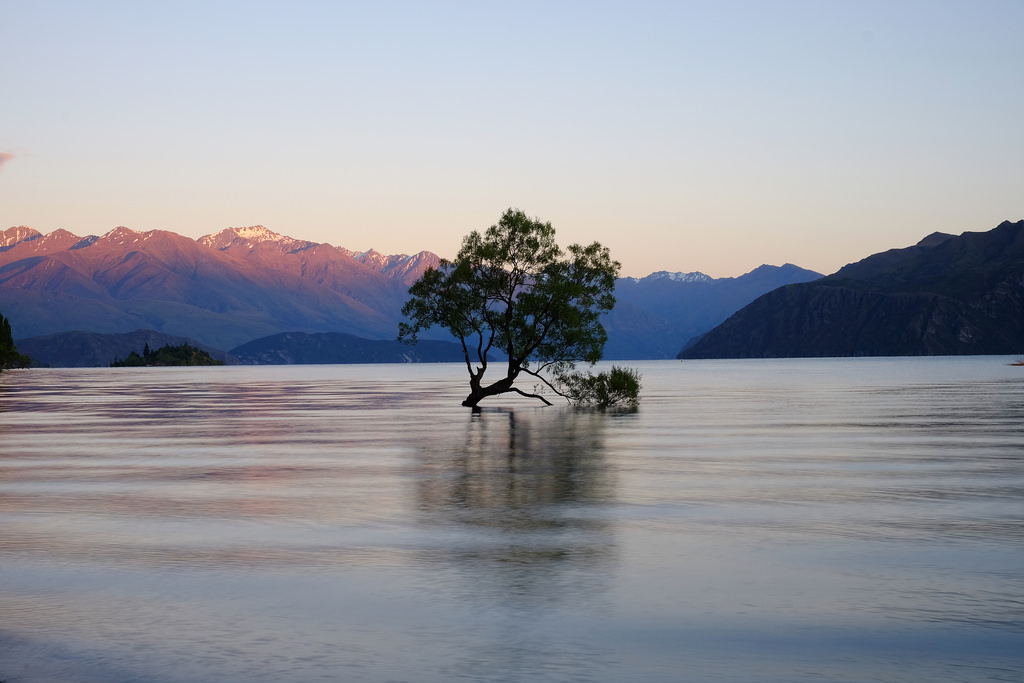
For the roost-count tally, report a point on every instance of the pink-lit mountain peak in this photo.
(22, 242)
(252, 237)
(380, 261)
(127, 238)
(256, 244)
(19, 233)
(402, 267)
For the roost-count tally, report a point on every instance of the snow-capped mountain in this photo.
(252, 237)
(695, 276)
(20, 233)
(402, 267)
(223, 289)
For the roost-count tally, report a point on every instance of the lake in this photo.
(768, 520)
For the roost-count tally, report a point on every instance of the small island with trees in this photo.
(182, 354)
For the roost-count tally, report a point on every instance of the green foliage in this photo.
(618, 388)
(9, 356)
(513, 291)
(183, 354)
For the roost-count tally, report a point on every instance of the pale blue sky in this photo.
(712, 136)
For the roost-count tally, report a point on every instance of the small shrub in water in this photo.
(618, 388)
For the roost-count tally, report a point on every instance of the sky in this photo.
(685, 136)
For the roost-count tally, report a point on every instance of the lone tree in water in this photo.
(512, 291)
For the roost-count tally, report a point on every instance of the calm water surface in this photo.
(796, 520)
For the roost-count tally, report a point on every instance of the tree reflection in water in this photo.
(523, 494)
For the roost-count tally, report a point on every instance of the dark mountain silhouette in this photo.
(656, 315)
(946, 295)
(78, 349)
(299, 348)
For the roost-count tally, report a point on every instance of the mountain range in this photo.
(656, 315)
(223, 289)
(240, 285)
(946, 295)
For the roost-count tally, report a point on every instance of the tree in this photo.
(9, 356)
(512, 291)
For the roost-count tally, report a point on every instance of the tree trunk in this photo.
(478, 393)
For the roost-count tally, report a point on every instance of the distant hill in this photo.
(80, 349)
(656, 315)
(299, 348)
(91, 349)
(946, 295)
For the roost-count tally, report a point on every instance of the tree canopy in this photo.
(513, 292)
(9, 356)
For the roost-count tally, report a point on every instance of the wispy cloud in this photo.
(4, 158)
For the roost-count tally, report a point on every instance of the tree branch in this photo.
(546, 381)
(523, 393)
